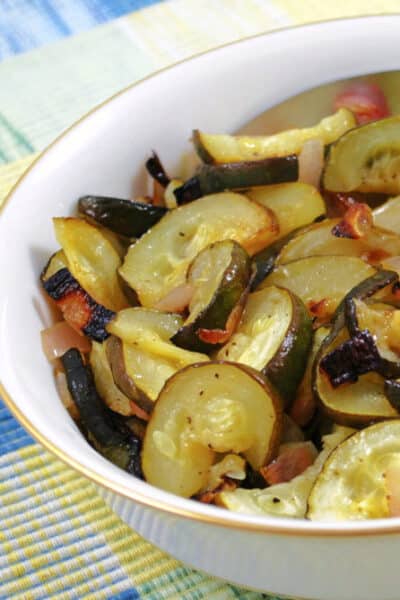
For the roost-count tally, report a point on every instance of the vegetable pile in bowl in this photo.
(235, 337)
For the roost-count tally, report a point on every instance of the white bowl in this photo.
(104, 154)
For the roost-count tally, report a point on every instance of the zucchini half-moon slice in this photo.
(125, 217)
(321, 280)
(92, 260)
(294, 204)
(159, 260)
(228, 148)
(220, 276)
(353, 404)
(353, 483)
(104, 381)
(274, 336)
(206, 409)
(141, 355)
(318, 239)
(366, 159)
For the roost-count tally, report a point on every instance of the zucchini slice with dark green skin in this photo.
(217, 407)
(366, 159)
(357, 403)
(127, 385)
(122, 448)
(229, 148)
(274, 337)
(78, 307)
(142, 356)
(211, 179)
(220, 276)
(104, 381)
(364, 400)
(387, 363)
(124, 217)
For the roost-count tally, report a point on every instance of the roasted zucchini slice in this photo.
(283, 499)
(366, 159)
(117, 444)
(211, 179)
(159, 260)
(355, 480)
(381, 321)
(92, 260)
(387, 215)
(353, 404)
(125, 217)
(228, 148)
(318, 239)
(104, 381)
(142, 357)
(320, 280)
(294, 204)
(206, 409)
(274, 336)
(220, 276)
(304, 404)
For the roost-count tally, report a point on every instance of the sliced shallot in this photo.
(59, 338)
(177, 299)
(311, 162)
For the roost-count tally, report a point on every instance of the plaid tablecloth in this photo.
(59, 59)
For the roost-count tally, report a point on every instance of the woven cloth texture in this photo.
(58, 539)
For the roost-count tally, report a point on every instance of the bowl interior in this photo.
(104, 153)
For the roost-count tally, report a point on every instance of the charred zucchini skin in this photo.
(231, 292)
(65, 290)
(121, 447)
(124, 217)
(156, 170)
(211, 179)
(343, 316)
(285, 371)
(387, 368)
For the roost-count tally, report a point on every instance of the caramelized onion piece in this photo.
(356, 223)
